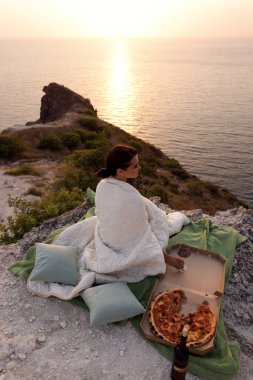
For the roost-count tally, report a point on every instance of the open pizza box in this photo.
(202, 282)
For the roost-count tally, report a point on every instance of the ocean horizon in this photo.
(192, 98)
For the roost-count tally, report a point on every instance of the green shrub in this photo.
(155, 151)
(107, 131)
(10, 146)
(70, 139)
(171, 163)
(88, 160)
(25, 169)
(50, 142)
(136, 144)
(180, 172)
(90, 112)
(91, 123)
(74, 177)
(149, 164)
(147, 170)
(30, 214)
(96, 144)
(194, 188)
(85, 135)
(175, 167)
(157, 190)
(214, 189)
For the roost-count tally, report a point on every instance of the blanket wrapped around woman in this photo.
(123, 242)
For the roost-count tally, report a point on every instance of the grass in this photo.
(50, 142)
(25, 169)
(11, 146)
(91, 123)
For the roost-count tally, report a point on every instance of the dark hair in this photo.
(119, 157)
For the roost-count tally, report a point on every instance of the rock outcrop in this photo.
(39, 335)
(58, 100)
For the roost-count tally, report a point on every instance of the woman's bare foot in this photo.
(174, 262)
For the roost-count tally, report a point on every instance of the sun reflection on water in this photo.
(120, 91)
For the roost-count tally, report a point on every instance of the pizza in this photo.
(167, 322)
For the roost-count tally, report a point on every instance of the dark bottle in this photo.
(181, 356)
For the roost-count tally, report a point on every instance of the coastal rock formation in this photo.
(58, 100)
(51, 339)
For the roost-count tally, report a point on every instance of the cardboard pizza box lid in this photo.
(202, 282)
(205, 270)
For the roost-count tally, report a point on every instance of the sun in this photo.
(115, 18)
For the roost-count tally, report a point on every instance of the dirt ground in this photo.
(51, 339)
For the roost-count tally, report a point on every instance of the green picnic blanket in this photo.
(223, 361)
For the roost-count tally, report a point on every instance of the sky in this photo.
(126, 18)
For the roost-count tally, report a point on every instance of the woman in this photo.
(133, 218)
(125, 240)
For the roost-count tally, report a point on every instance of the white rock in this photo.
(8, 376)
(41, 339)
(11, 365)
(21, 356)
(53, 365)
(4, 353)
(63, 325)
(56, 318)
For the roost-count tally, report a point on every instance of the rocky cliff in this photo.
(70, 131)
(58, 100)
(51, 339)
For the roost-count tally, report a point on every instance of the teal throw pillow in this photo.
(55, 263)
(111, 303)
(91, 195)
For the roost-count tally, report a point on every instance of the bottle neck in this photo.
(183, 341)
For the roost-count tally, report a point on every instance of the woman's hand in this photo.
(174, 262)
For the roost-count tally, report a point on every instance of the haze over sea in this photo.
(191, 98)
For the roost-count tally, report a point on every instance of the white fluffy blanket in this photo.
(123, 242)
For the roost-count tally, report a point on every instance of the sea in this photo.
(193, 98)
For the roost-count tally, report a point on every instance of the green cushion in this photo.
(55, 263)
(111, 303)
(90, 212)
(91, 195)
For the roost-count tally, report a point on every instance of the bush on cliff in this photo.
(31, 214)
(50, 142)
(88, 160)
(10, 146)
(136, 144)
(25, 169)
(91, 123)
(157, 190)
(73, 177)
(71, 140)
